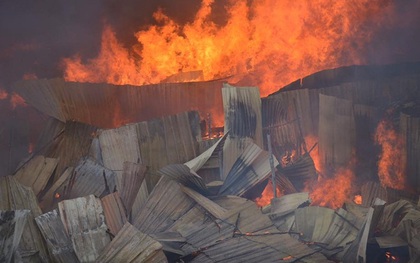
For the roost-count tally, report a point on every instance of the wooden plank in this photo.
(84, 221)
(130, 245)
(58, 242)
(36, 172)
(114, 212)
(12, 224)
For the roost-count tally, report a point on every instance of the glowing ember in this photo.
(333, 192)
(358, 199)
(267, 43)
(31, 147)
(57, 195)
(267, 195)
(28, 76)
(17, 100)
(391, 165)
(287, 258)
(3, 94)
(311, 141)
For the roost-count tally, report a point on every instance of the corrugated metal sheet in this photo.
(58, 242)
(166, 204)
(250, 168)
(132, 186)
(410, 131)
(326, 227)
(14, 196)
(88, 178)
(156, 143)
(241, 234)
(337, 131)
(12, 224)
(106, 105)
(299, 172)
(36, 172)
(68, 143)
(52, 196)
(84, 221)
(114, 211)
(184, 175)
(130, 245)
(212, 152)
(242, 107)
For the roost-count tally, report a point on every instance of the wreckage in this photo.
(166, 188)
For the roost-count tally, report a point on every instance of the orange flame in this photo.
(31, 147)
(3, 94)
(391, 165)
(333, 192)
(16, 101)
(267, 195)
(267, 43)
(358, 199)
(311, 140)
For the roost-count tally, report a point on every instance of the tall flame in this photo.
(333, 192)
(264, 42)
(391, 165)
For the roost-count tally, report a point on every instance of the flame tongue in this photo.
(270, 43)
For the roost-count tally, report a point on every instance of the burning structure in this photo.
(154, 153)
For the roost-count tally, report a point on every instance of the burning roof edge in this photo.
(337, 76)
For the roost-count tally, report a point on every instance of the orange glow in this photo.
(28, 76)
(267, 43)
(17, 100)
(31, 147)
(311, 140)
(287, 258)
(57, 195)
(358, 199)
(391, 166)
(333, 192)
(267, 195)
(3, 94)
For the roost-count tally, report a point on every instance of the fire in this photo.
(267, 43)
(333, 192)
(267, 195)
(31, 147)
(358, 199)
(16, 101)
(391, 165)
(57, 195)
(311, 141)
(3, 94)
